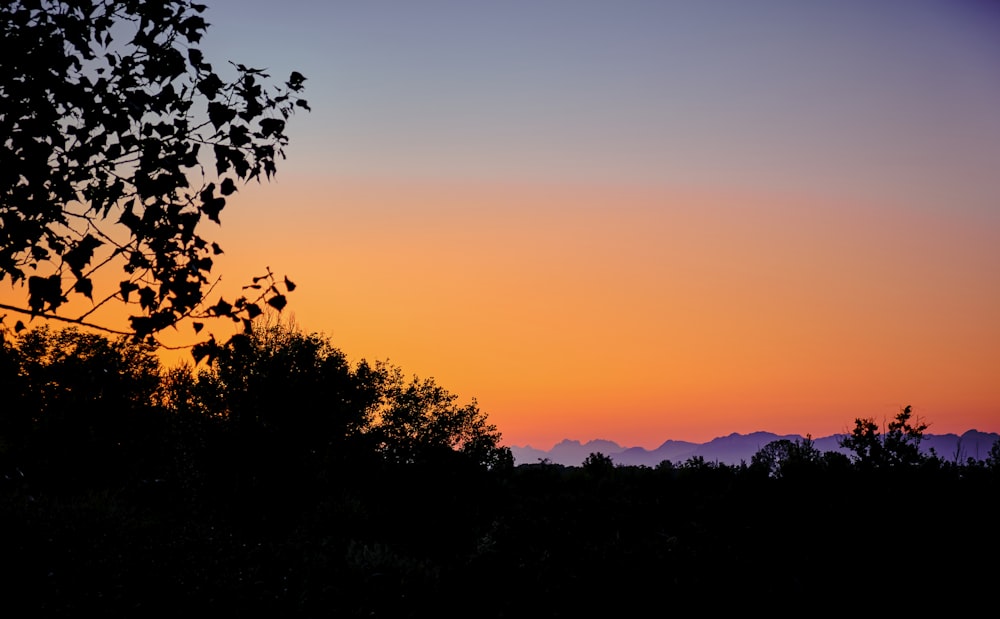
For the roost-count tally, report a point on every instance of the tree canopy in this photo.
(276, 399)
(120, 141)
(899, 445)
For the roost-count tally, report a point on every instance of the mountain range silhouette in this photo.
(736, 448)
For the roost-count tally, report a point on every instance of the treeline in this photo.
(275, 406)
(125, 483)
(280, 479)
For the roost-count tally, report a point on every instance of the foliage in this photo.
(277, 413)
(286, 393)
(993, 458)
(902, 440)
(417, 419)
(598, 464)
(865, 442)
(785, 458)
(283, 381)
(110, 115)
(77, 404)
(898, 446)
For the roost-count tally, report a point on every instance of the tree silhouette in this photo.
(993, 457)
(417, 419)
(120, 142)
(598, 465)
(786, 458)
(289, 403)
(283, 411)
(78, 405)
(898, 446)
(902, 439)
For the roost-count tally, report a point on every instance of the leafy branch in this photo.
(111, 116)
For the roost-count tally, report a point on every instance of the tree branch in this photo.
(75, 321)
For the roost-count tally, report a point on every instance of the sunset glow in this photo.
(641, 316)
(639, 221)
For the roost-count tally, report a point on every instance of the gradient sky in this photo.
(641, 220)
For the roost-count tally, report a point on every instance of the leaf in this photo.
(295, 80)
(289, 284)
(221, 158)
(42, 291)
(196, 57)
(205, 350)
(271, 126)
(210, 86)
(198, 326)
(220, 114)
(228, 186)
(19, 326)
(129, 219)
(85, 287)
(278, 302)
(81, 254)
(147, 297)
(191, 156)
(216, 249)
(239, 135)
(125, 288)
(141, 325)
(210, 205)
(222, 308)
(239, 161)
(193, 25)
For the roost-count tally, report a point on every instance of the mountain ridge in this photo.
(735, 448)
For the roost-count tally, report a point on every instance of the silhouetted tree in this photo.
(866, 443)
(902, 439)
(109, 116)
(284, 410)
(418, 418)
(598, 465)
(836, 462)
(291, 384)
(785, 458)
(79, 405)
(993, 457)
(899, 446)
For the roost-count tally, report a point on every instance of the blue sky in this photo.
(879, 96)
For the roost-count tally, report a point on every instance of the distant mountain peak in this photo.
(735, 448)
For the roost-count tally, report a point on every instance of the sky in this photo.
(641, 220)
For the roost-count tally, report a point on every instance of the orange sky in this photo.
(642, 315)
(638, 315)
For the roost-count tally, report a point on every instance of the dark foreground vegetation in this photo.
(281, 480)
